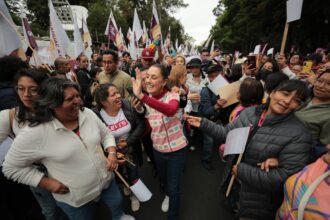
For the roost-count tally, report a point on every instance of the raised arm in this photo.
(169, 109)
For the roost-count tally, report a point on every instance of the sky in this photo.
(197, 19)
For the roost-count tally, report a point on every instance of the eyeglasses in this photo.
(30, 90)
(323, 82)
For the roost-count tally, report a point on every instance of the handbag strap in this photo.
(308, 193)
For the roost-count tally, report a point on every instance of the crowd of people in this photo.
(71, 126)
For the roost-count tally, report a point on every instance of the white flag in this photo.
(58, 35)
(133, 49)
(9, 39)
(87, 36)
(212, 47)
(78, 43)
(137, 26)
(129, 34)
(145, 33)
(208, 41)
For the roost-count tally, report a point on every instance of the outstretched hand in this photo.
(194, 121)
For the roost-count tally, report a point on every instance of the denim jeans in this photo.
(110, 196)
(47, 204)
(207, 147)
(170, 167)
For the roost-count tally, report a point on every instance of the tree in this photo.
(123, 10)
(245, 23)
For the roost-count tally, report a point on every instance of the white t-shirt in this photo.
(119, 125)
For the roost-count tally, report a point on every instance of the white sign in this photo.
(293, 10)
(218, 82)
(236, 141)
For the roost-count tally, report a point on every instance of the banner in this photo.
(78, 43)
(155, 29)
(111, 29)
(58, 36)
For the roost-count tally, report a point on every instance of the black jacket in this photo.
(84, 80)
(283, 137)
(8, 97)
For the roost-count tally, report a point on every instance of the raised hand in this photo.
(137, 104)
(137, 84)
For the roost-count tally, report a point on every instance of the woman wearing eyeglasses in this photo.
(12, 121)
(315, 114)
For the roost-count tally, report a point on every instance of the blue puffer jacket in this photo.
(281, 136)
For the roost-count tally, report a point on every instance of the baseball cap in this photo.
(147, 53)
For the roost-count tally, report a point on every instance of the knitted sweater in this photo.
(167, 134)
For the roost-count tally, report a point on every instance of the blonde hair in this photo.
(181, 56)
(176, 74)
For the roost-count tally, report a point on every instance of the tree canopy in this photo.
(99, 10)
(242, 24)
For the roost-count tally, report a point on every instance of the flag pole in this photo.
(285, 35)
(233, 177)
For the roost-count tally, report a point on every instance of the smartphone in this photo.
(307, 67)
(252, 62)
(130, 91)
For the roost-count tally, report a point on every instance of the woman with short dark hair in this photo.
(167, 135)
(275, 133)
(127, 127)
(67, 140)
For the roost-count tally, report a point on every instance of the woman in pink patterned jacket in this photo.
(167, 135)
